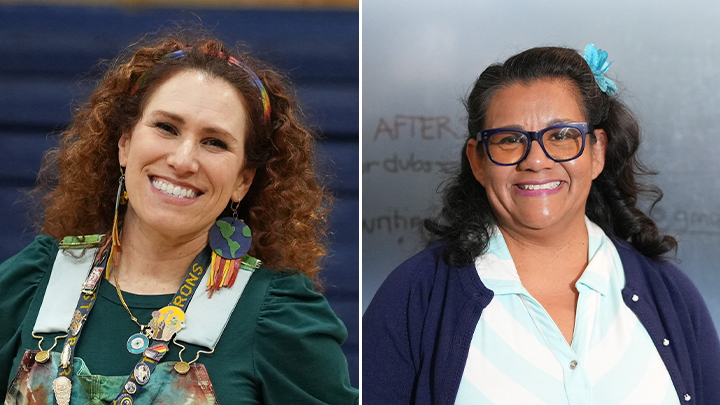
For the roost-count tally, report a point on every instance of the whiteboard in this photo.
(420, 57)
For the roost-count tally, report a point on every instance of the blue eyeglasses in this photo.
(510, 146)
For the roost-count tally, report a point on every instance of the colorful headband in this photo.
(597, 59)
(254, 79)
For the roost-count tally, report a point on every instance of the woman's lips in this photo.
(169, 188)
(538, 189)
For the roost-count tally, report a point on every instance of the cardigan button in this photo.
(687, 397)
(666, 342)
(635, 298)
(573, 364)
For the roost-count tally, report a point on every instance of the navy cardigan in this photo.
(418, 327)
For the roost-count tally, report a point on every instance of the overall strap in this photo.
(206, 318)
(69, 272)
(71, 269)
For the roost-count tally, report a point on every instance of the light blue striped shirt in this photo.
(519, 356)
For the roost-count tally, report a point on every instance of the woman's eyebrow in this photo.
(170, 115)
(556, 121)
(181, 121)
(549, 123)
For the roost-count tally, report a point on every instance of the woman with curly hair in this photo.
(544, 283)
(147, 285)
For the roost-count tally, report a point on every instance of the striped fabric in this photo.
(519, 356)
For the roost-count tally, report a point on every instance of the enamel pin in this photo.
(166, 322)
(62, 387)
(77, 322)
(92, 279)
(65, 356)
(130, 387)
(156, 352)
(137, 343)
(142, 373)
(124, 399)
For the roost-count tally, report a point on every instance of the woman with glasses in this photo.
(544, 283)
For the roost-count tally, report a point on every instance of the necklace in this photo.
(138, 342)
(146, 332)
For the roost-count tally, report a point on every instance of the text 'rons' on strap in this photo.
(203, 330)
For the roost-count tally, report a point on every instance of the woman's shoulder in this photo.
(30, 265)
(670, 287)
(296, 340)
(21, 279)
(294, 297)
(404, 298)
(269, 283)
(422, 273)
(649, 274)
(287, 300)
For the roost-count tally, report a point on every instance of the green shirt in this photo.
(280, 346)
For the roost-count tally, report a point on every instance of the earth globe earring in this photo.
(230, 240)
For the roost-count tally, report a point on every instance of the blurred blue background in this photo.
(49, 58)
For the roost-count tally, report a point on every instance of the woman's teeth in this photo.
(546, 186)
(173, 190)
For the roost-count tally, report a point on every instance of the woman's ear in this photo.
(245, 180)
(476, 158)
(599, 148)
(123, 148)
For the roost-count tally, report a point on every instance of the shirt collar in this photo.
(497, 269)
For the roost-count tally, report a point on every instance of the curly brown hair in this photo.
(286, 206)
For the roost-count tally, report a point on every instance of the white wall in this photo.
(421, 57)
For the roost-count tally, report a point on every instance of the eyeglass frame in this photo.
(484, 136)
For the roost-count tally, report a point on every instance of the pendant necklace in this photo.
(138, 342)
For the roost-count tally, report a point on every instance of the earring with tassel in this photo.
(230, 240)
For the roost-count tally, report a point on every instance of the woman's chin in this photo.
(173, 225)
(537, 223)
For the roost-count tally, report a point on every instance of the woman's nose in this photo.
(536, 159)
(183, 156)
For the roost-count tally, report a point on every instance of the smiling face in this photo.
(537, 193)
(184, 158)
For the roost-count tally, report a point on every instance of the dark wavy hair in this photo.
(286, 206)
(466, 219)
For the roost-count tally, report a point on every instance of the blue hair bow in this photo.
(597, 59)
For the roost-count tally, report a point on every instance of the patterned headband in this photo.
(254, 79)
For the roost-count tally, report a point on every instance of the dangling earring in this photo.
(121, 199)
(230, 240)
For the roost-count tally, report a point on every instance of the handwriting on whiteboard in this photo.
(684, 220)
(401, 225)
(411, 164)
(395, 224)
(428, 128)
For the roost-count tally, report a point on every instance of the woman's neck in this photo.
(550, 257)
(549, 263)
(151, 263)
